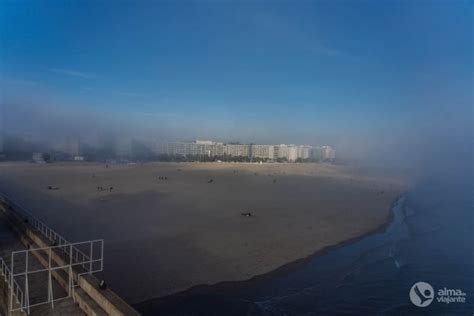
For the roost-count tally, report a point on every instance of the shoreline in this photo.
(192, 236)
(172, 299)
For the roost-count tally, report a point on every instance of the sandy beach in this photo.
(169, 226)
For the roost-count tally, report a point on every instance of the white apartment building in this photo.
(237, 150)
(290, 152)
(281, 151)
(304, 151)
(328, 153)
(271, 152)
(262, 151)
(191, 149)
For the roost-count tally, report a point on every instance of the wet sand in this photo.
(165, 236)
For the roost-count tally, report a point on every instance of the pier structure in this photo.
(44, 274)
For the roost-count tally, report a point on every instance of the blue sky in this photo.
(264, 71)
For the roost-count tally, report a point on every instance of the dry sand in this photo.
(164, 236)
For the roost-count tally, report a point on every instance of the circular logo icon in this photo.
(421, 294)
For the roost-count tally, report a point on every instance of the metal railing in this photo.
(75, 258)
(55, 238)
(13, 285)
(66, 265)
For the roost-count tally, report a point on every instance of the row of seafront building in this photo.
(131, 148)
(251, 151)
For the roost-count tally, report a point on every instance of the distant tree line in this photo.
(225, 158)
(308, 160)
(202, 158)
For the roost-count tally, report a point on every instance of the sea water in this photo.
(430, 239)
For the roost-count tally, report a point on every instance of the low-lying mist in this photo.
(438, 145)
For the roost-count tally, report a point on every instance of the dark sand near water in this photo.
(165, 236)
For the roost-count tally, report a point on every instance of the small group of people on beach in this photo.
(101, 188)
(162, 178)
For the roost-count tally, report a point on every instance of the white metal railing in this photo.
(13, 285)
(67, 264)
(75, 258)
(46, 231)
